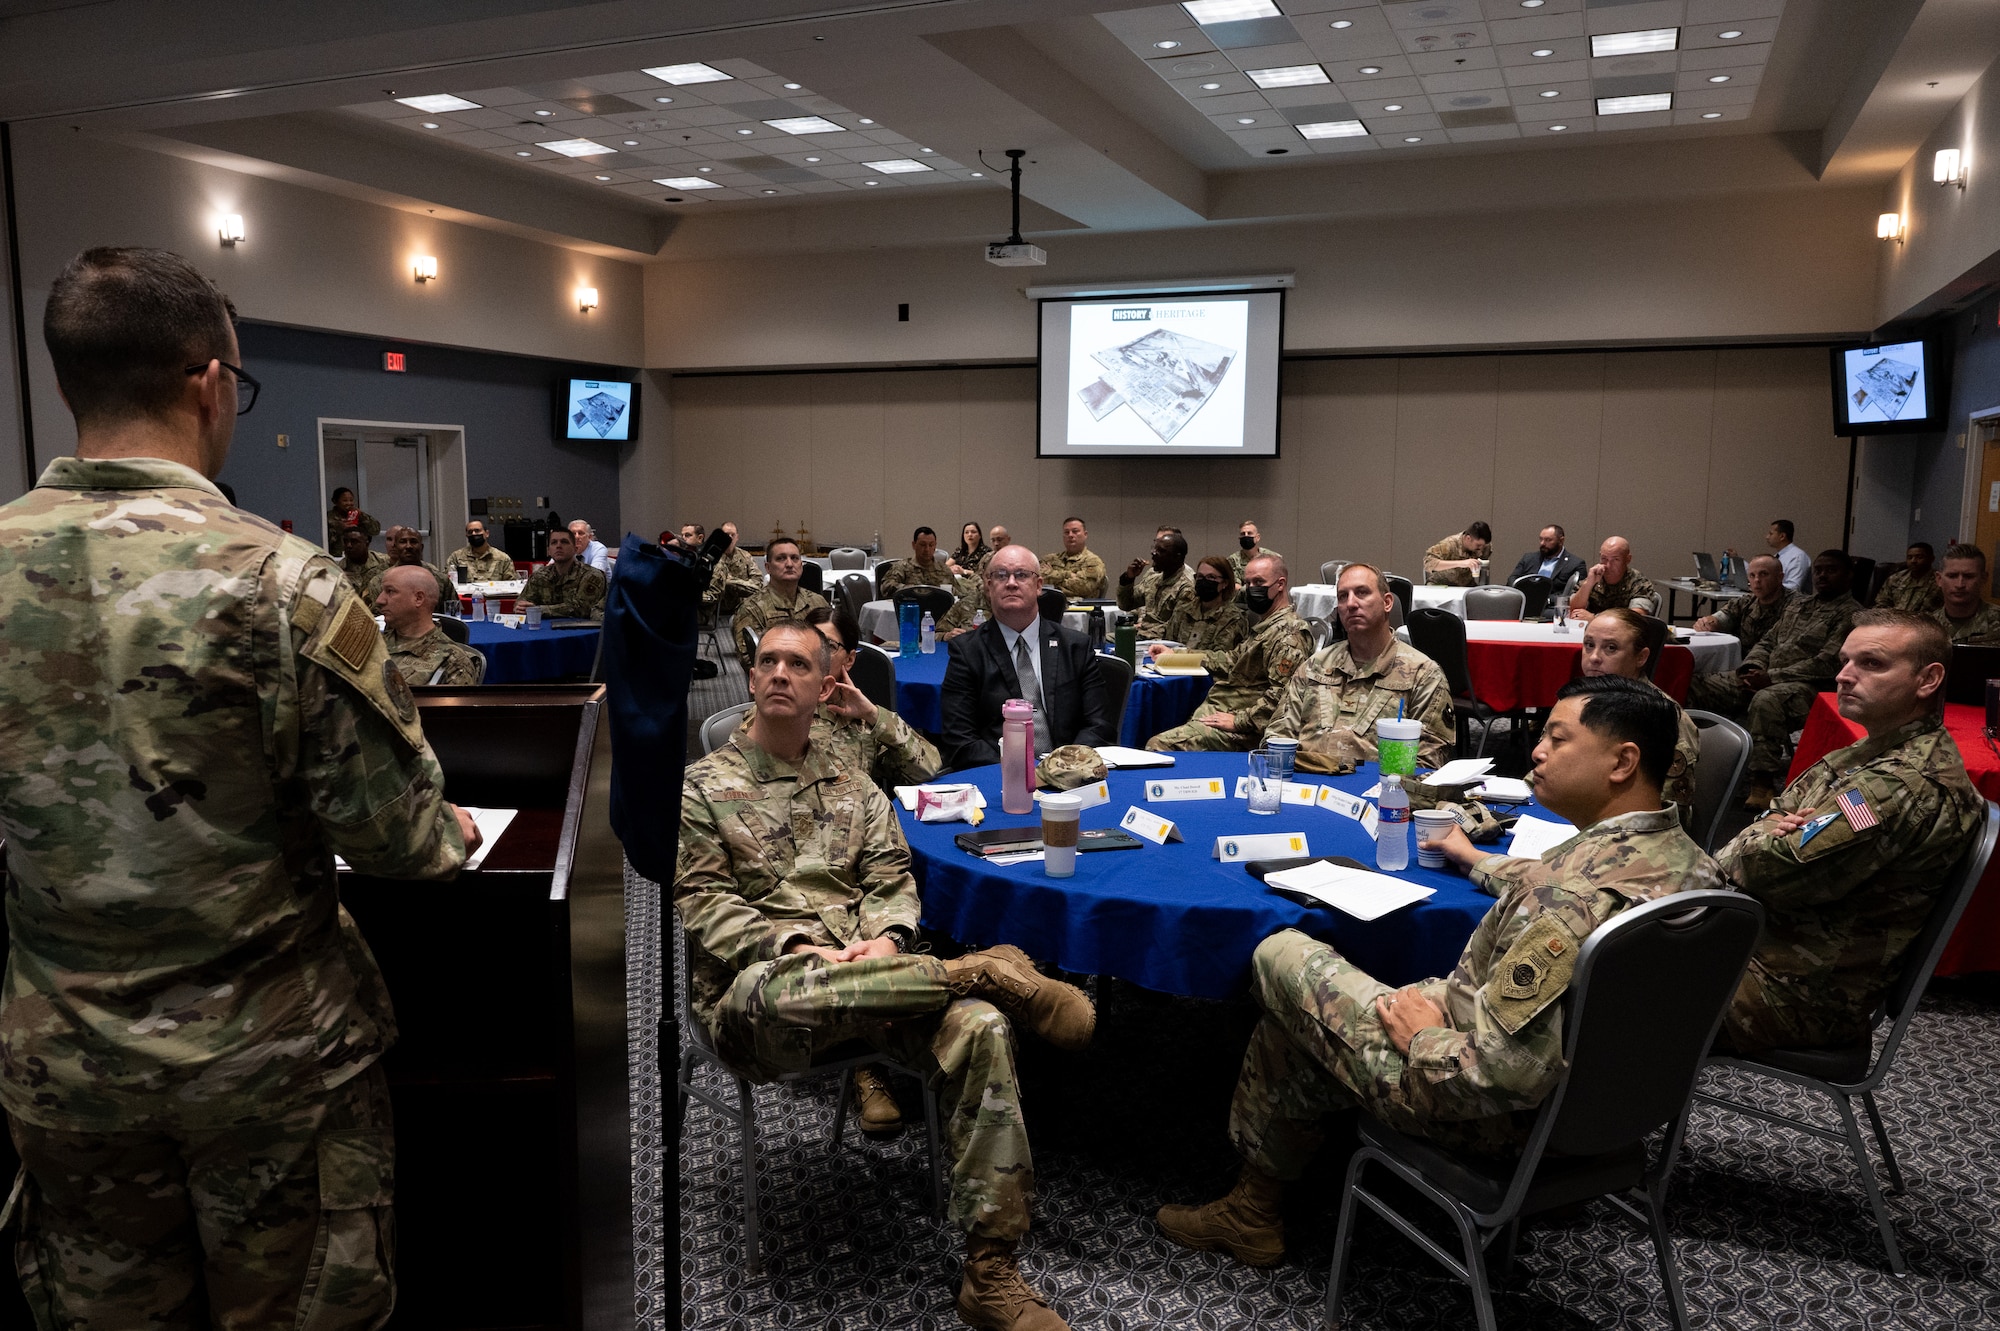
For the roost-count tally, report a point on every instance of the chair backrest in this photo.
(936, 600)
(1535, 590)
(1863, 579)
(1329, 572)
(1053, 602)
(1401, 588)
(1117, 676)
(1654, 633)
(1725, 752)
(454, 628)
(1440, 635)
(479, 663)
(853, 591)
(719, 727)
(874, 673)
(848, 556)
(1883, 572)
(1322, 631)
(812, 577)
(1495, 603)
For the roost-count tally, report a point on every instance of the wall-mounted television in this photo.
(1189, 375)
(1889, 387)
(604, 410)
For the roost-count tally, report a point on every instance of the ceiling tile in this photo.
(1417, 15)
(1227, 84)
(1698, 80)
(1447, 62)
(1464, 81)
(1727, 56)
(1543, 26)
(1479, 133)
(1251, 32)
(1633, 15)
(1367, 89)
(1561, 50)
(1635, 120)
(1700, 36)
(1276, 56)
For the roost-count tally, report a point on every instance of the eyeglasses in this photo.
(1013, 574)
(246, 393)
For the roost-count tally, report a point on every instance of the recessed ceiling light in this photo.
(1531, 4)
(1635, 43)
(1718, 78)
(866, 121)
(631, 143)
(1645, 101)
(977, 174)
(1731, 35)
(1246, 120)
(926, 150)
(1288, 76)
(1332, 129)
(1414, 138)
(791, 87)
(770, 191)
(1371, 69)
(1166, 46)
(576, 148)
(663, 100)
(805, 125)
(1343, 23)
(438, 103)
(1711, 115)
(1557, 129)
(896, 166)
(1550, 92)
(871, 182)
(1545, 51)
(812, 159)
(687, 182)
(430, 124)
(746, 131)
(523, 153)
(1210, 87)
(704, 169)
(1393, 106)
(1229, 11)
(692, 73)
(544, 113)
(604, 177)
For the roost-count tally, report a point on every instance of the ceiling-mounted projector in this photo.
(1014, 252)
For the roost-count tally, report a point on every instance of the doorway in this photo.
(402, 474)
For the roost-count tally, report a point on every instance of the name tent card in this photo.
(1196, 788)
(1350, 806)
(1151, 826)
(1092, 795)
(1267, 846)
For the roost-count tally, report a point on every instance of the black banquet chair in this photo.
(1440, 635)
(935, 600)
(1053, 602)
(1117, 677)
(874, 673)
(1537, 590)
(1646, 999)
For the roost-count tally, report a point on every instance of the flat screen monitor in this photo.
(597, 409)
(1888, 388)
(1161, 376)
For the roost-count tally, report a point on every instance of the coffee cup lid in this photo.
(1061, 802)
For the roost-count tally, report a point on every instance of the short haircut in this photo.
(1177, 543)
(1557, 528)
(1630, 711)
(1277, 563)
(821, 650)
(555, 534)
(923, 531)
(699, 530)
(1929, 643)
(348, 533)
(1960, 550)
(1221, 564)
(847, 627)
(1925, 546)
(777, 541)
(1631, 619)
(1248, 522)
(1478, 531)
(1381, 579)
(122, 326)
(343, 490)
(1077, 520)
(1784, 525)
(1841, 555)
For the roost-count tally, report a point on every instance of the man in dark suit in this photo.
(1550, 559)
(987, 668)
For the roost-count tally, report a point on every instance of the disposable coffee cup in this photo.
(1283, 753)
(1059, 827)
(1432, 825)
(1396, 746)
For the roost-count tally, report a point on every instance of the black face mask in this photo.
(1247, 542)
(1258, 599)
(1208, 588)
(476, 539)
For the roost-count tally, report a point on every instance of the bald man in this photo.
(418, 648)
(1613, 584)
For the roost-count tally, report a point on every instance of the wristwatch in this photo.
(900, 936)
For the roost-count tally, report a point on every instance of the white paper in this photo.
(1016, 857)
(1460, 772)
(491, 823)
(1179, 671)
(1115, 756)
(1506, 789)
(1535, 837)
(907, 795)
(1356, 892)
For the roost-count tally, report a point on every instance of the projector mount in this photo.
(1013, 252)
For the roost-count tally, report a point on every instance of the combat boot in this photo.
(992, 1295)
(1006, 978)
(878, 1111)
(1245, 1223)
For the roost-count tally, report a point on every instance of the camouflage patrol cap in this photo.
(1334, 752)
(1070, 766)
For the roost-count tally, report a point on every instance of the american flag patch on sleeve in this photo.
(1855, 805)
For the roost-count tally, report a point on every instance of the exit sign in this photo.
(392, 361)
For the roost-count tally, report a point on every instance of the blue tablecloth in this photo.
(919, 680)
(1153, 705)
(1170, 917)
(524, 655)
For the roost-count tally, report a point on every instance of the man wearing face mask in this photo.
(1250, 678)
(1162, 591)
(1251, 542)
(1216, 623)
(478, 557)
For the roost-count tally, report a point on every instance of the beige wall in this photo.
(1677, 450)
(1952, 236)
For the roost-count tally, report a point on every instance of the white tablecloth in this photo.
(1714, 653)
(1317, 600)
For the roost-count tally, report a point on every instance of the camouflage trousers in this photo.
(1770, 714)
(778, 1015)
(1319, 1048)
(285, 1223)
(1768, 1013)
(1195, 737)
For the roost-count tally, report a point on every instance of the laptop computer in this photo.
(1704, 564)
(1971, 667)
(1739, 575)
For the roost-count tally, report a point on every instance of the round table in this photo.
(1173, 918)
(919, 682)
(1516, 664)
(1155, 703)
(525, 655)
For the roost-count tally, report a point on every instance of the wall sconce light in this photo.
(1889, 226)
(586, 299)
(229, 229)
(426, 268)
(1948, 167)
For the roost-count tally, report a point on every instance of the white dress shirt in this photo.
(596, 555)
(1797, 566)
(1037, 697)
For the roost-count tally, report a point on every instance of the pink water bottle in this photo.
(1017, 756)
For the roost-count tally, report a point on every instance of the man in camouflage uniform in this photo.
(1964, 611)
(1250, 677)
(859, 734)
(1847, 887)
(417, 647)
(358, 564)
(565, 587)
(199, 716)
(736, 577)
(1773, 689)
(1752, 617)
(1334, 700)
(1614, 643)
(793, 884)
(406, 550)
(1075, 570)
(1612, 583)
(1216, 621)
(1914, 586)
(1250, 545)
(1454, 561)
(1162, 591)
(783, 600)
(922, 569)
(479, 557)
(1463, 1060)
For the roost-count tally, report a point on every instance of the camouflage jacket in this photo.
(1843, 903)
(909, 573)
(337, 525)
(1636, 592)
(1250, 678)
(491, 564)
(1983, 629)
(447, 595)
(765, 609)
(1158, 599)
(1679, 786)
(736, 576)
(887, 749)
(1502, 1050)
(1331, 705)
(1919, 596)
(1213, 631)
(971, 593)
(418, 659)
(578, 594)
(1449, 549)
(366, 580)
(1804, 645)
(196, 714)
(1080, 575)
(1240, 561)
(1751, 620)
(773, 854)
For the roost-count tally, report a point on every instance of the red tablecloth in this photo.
(1975, 945)
(1508, 675)
(495, 605)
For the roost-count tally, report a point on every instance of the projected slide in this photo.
(599, 409)
(1886, 383)
(1157, 372)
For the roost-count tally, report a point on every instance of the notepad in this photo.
(1505, 790)
(491, 823)
(1535, 837)
(1179, 663)
(1116, 756)
(1356, 892)
(1460, 772)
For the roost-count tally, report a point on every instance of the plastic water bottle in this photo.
(1392, 833)
(1017, 762)
(1725, 568)
(927, 635)
(978, 618)
(479, 607)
